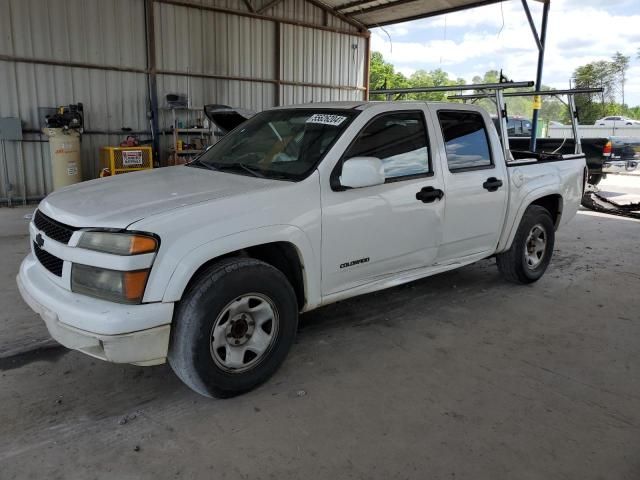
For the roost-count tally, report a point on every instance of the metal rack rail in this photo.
(491, 90)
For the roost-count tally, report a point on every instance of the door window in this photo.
(399, 140)
(465, 139)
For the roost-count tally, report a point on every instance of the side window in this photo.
(399, 140)
(465, 140)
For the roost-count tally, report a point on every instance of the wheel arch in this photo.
(291, 253)
(553, 204)
(281, 255)
(551, 201)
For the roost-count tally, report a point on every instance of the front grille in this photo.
(52, 229)
(48, 261)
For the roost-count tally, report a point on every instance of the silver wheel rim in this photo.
(535, 247)
(244, 332)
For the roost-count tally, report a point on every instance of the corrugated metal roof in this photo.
(373, 13)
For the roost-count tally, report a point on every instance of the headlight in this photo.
(118, 243)
(113, 285)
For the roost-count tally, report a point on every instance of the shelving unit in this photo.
(181, 127)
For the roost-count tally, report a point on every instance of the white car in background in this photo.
(616, 121)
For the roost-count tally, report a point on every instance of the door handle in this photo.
(429, 194)
(492, 184)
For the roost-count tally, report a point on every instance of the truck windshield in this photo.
(278, 144)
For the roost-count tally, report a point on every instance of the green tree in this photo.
(382, 75)
(620, 65)
(491, 76)
(593, 75)
(434, 78)
(610, 75)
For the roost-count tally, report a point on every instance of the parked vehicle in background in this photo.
(518, 126)
(208, 265)
(616, 121)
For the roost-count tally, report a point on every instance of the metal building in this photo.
(120, 57)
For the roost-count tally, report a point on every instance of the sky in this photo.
(498, 36)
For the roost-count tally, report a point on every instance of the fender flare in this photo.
(189, 264)
(507, 238)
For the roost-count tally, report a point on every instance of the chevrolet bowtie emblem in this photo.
(39, 240)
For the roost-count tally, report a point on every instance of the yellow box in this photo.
(125, 159)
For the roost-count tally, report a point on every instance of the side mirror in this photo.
(360, 172)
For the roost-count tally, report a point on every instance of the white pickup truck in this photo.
(208, 265)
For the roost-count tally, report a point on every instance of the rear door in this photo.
(374, 232)
(475, 182)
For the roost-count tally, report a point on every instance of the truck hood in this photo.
(119, 201)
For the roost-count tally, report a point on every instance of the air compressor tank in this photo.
(64, 148)
(64, 128)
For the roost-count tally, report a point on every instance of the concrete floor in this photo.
(457, 376)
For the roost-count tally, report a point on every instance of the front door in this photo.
(373, 232)
(476, 187)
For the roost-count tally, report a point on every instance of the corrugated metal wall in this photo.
(57, 52)
(68, 31)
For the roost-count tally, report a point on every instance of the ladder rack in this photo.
(494, 90)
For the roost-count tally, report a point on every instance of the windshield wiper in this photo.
(238, 165)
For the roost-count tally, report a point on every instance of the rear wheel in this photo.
(532, 247)
(233, 328)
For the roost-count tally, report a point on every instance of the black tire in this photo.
(190, 352)
(513, 263)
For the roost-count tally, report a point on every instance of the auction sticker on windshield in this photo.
(326, 119)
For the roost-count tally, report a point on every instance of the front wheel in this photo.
(233, 328)
(532, 247)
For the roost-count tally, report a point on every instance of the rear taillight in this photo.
(608, 147)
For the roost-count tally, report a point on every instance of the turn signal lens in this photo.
(134, 283)
(142, 244)
(608, 148)
(118, 243)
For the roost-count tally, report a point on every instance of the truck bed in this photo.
(592, 148)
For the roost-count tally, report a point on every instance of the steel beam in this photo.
(278, 64)
(65, 63)
(267, 6)
(214, 76)
(543, 39)
(249, 6)
(345, 18)
(367, 66)
(532, 25)
(363, 32)
(420, 16)
(152, 83)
